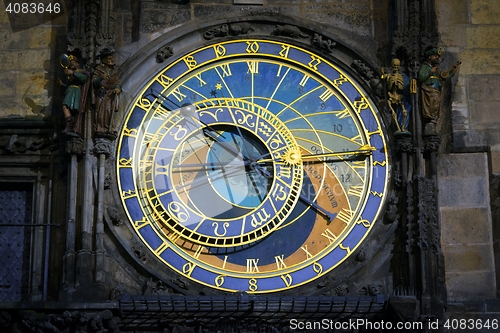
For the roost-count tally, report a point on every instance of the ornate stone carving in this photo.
(164, 53)
(74, 146)
(326, 44)
(103, 146)
(224, 30)
(139, 253)
(114, 215)
(368, 75)
(154, 287)
(16, 144)
(288, 30)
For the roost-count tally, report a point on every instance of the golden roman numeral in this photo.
(345, 215)
(308, 254)
(280, 263)
(252, 265)
(226, 70)
(326, 95)
(356, 190)
(253, 67)
(303, 82)
(329, 235)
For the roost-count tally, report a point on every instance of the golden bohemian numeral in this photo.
(345, 248)
(284, 50)
(361, 105)
(252, 47)
(317, 268)
(219, 280)
(144, 104)
(315, 61)
(188, 268)
(339, 81)
(329, 235)
(141, 223)
(128, 194)
(365, 223)
(219, 50)
(287, 278)
(375, 163)
(252, 265)
(252, 284)
(130, 132)
(164, 80)
(125, 162)
(190, 62)
(280, 261)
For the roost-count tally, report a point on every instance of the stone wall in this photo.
(471, 33)
(28, 65)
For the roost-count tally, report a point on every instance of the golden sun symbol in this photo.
(292, 157)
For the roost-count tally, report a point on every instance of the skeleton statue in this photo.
(396, 89)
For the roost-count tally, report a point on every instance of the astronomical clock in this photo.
(251, 165)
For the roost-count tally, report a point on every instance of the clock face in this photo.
(252, 165)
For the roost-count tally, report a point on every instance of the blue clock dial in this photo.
(252, 165)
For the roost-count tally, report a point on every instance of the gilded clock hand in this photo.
(294, 157)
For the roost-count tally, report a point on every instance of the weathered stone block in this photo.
(495, 162)
(454, 35)
(480, 61)
(483, 87)
(472, 165)
(465, 225)
(485, 37)
(471, 285)
(468, 192)
(484, 12)
(459, 14)
(465, 258)
(485, 112)
(8, 60)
